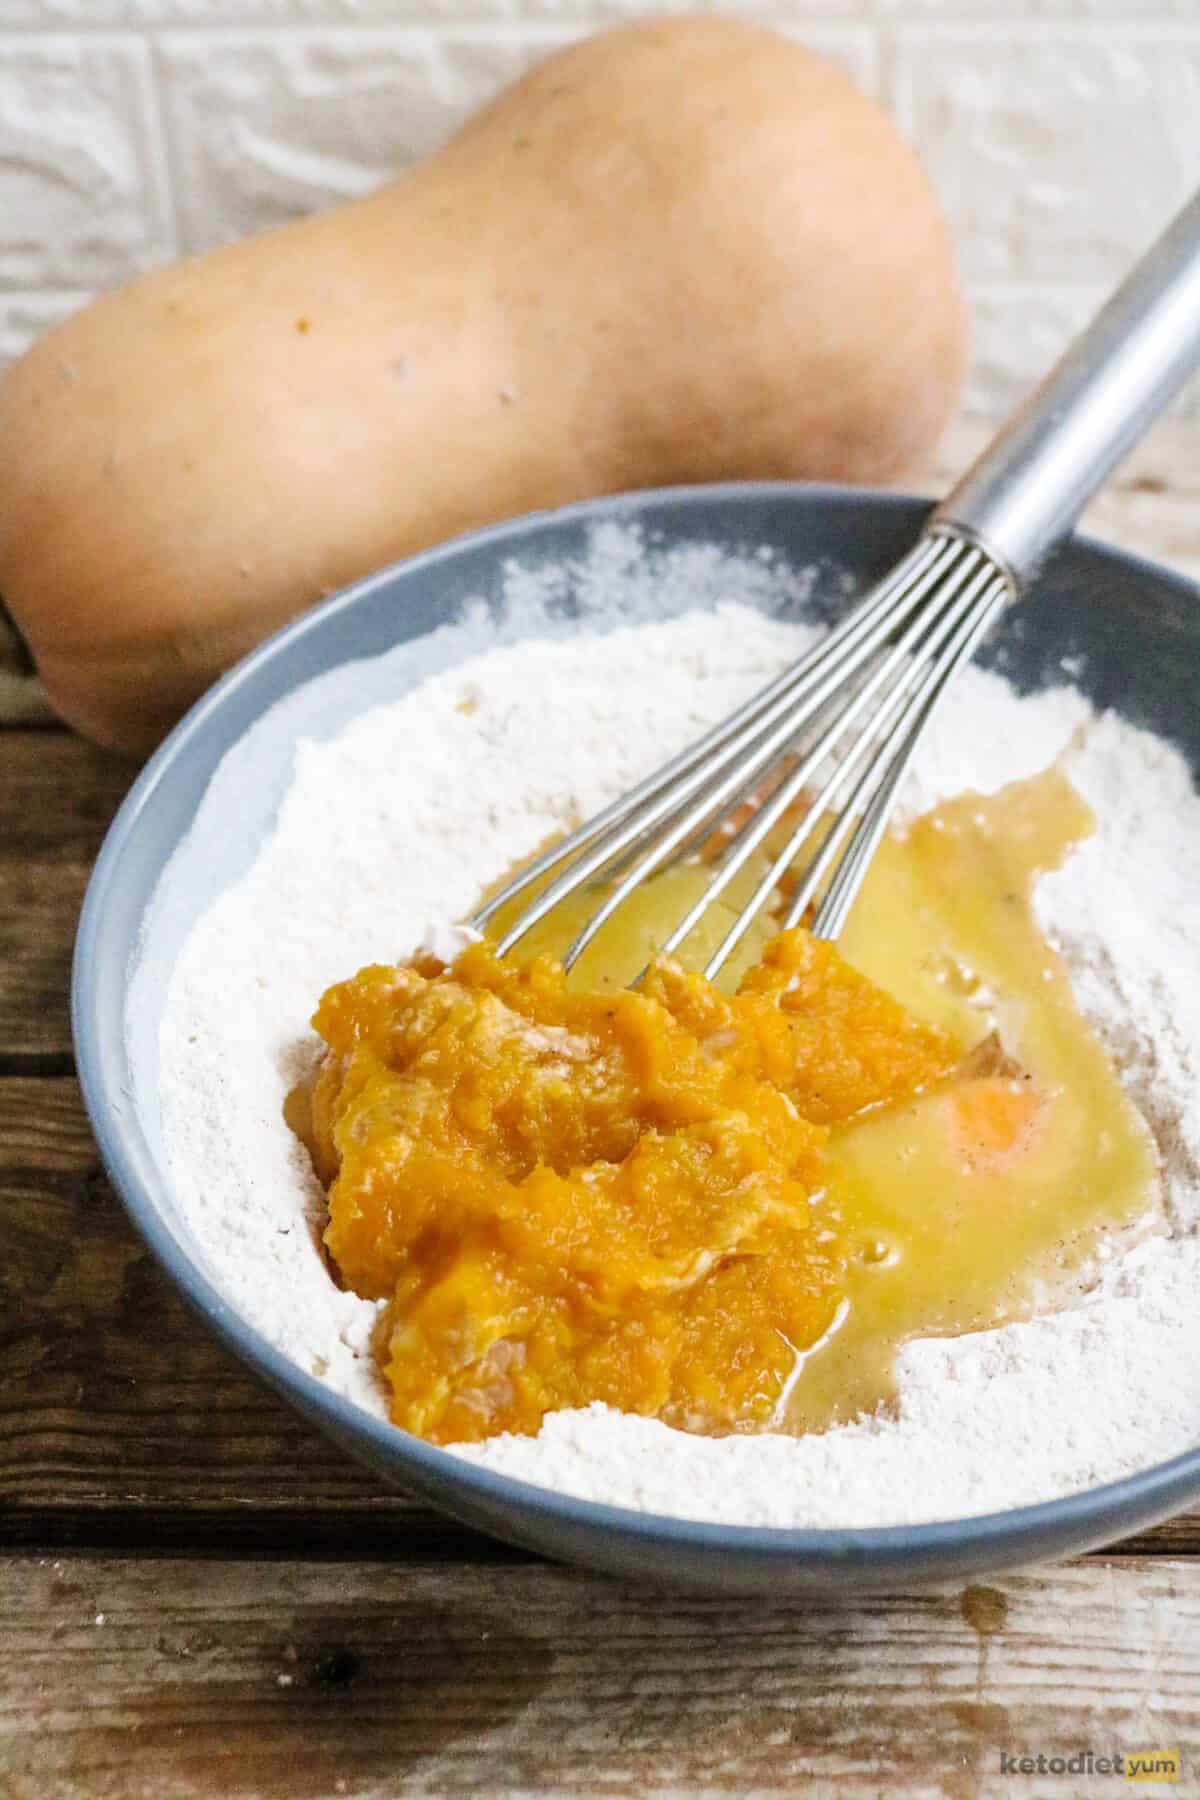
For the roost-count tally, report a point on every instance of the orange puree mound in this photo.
(620, 1196)
(833, 1040)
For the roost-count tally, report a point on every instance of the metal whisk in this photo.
(828, 743)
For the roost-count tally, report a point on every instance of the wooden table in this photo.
(201, 1597)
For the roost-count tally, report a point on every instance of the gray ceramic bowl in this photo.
(1135, 630)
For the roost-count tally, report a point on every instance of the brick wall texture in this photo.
(1060, 133)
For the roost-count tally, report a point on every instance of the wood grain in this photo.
(57, 796)
(124, 1421)
(314, 1679)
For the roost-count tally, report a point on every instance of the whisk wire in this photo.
(908, 655)
(707, 792)
(851, 642)
(922, 667)
(843, 890)
(885, 773)
(860, 700)
(848, 712)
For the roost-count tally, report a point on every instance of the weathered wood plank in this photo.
(57, 797)
(123, 1421)
(39, 910)
(193, 1678)
(121, 1417)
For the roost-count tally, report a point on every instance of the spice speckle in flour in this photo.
(901, 1231)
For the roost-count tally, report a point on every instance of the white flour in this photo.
(408, 813)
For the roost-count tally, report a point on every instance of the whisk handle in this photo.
(1026, 491)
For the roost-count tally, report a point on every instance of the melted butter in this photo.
(974, 1205)
(978, 1203)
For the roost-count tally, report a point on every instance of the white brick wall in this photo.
(1061, 133)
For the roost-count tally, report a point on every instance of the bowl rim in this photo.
(1156, 1491)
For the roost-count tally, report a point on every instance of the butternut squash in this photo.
(678, 251)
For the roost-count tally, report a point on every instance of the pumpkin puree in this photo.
(730, 1210)
(625, 1196)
